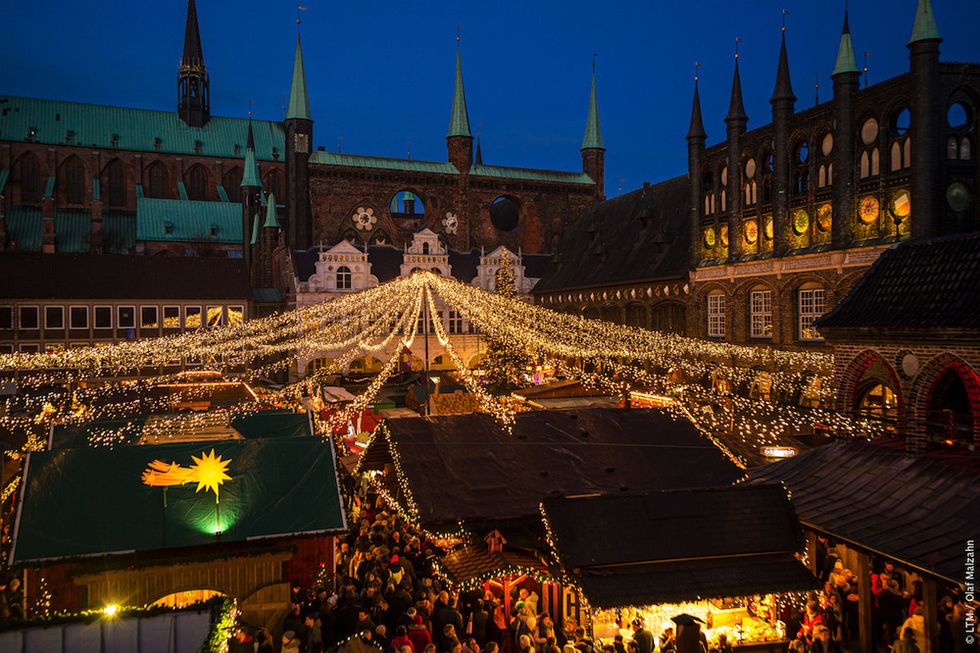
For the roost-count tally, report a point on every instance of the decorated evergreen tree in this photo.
(505, 362)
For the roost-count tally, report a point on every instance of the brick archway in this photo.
(922, 394)
(849, 382)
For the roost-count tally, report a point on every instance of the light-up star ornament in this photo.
(209, 471)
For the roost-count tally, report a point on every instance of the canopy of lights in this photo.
(385, 320)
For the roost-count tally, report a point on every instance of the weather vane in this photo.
(738, 39)
(697, 71)
(299, 8)
(595, 56)
(459, 34)
(817, 86)
(785, 14)
(251, 105)
(867, 55)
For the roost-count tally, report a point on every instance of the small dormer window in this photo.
(214, 231)
(275, 153)
(168, 228)
(31, 133)
(157, 142)
(198, 147)
(70, 136)
(115, 140)
(238, 149)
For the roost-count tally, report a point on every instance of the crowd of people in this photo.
(390, 597)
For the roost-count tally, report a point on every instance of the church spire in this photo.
(479, 153)
(459, 119)
(193, 55)
(696, 130)
(592, 139)
(193, 84)
(299, 99)
(736, 107)
(250, 177)
(924, 28)
(846, 61)
(784, 89)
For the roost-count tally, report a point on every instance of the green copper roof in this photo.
(4, 176)
(271, 218)
(846, 61)
(250, 177)
(255, 229)
(459, 119)
(188, 220)
(530, 174)
(592, 140)
(54, 122)
(924, 28)
(383, 163)
(72, 230)
(299, 99)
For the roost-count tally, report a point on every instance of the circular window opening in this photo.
(750, 169)
(802, 152)
(902, 122)
(828, 144)
(405, 203)
(504, 214)
(869, 131)
(958, 196)
(957, 116)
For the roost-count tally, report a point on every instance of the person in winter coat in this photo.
(917, 624)
(401, 639)
(906, 644)
(822, 643)
(642, 637)
(418, 634)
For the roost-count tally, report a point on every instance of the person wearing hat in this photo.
(642, 637)
(290, 642)
(822, 642)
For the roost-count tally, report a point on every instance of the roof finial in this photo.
(459, 35)
(738, 39)
(697, 72)
(299, 8)
(867, 55)
(595, 56)
(785, 14)
(817, 87)
(251, 105)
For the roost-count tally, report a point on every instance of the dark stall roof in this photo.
(608, 242)
(475, 561)
(467, 467)
(919, 284)
(915, 510)
(104, 276)
(680, 545)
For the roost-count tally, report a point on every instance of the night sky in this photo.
(381, 72)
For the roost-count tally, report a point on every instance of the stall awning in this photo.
(915, 510)
(665, 547)
(474, 562)
(94, 501)
(675, 582)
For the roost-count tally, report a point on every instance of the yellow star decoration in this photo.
(208, 471)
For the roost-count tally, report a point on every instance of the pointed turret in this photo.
(846, 61)
(459, 119)
(924, 28)
(193, 84)
(696, 130)
(271, 215)
(784, 89)
(593, 149)
(250, 176)
(593, 131)
(299, 99)
(479, 153)
(736, 107)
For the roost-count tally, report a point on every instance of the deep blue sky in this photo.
(381, 72)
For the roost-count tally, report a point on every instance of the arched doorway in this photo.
(950, 417)
(879, 403)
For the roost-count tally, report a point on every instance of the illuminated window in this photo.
(78, 317)
(185, 598)
(192, 317)
(716, 315)
(29, 318)
(344, 278)
(811, 306)
(54, 317)
(950, 417)
(879, 403)
(236, 315)
(215, 315)
(126, 317)
(149, 317)
(103, 317)
(455, 322)
(760, 308)
(171, 317)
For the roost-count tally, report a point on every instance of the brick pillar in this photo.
(47, 225)
(95, 236)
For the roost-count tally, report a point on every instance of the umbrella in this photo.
(685, 619)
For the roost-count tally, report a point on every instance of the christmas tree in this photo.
(505, 362)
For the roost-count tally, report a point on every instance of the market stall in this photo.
(728, 556)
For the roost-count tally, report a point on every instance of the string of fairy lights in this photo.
(383, 322)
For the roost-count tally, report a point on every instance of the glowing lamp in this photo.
(110, 610)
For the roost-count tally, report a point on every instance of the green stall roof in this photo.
(57, 122)
(92, 501)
